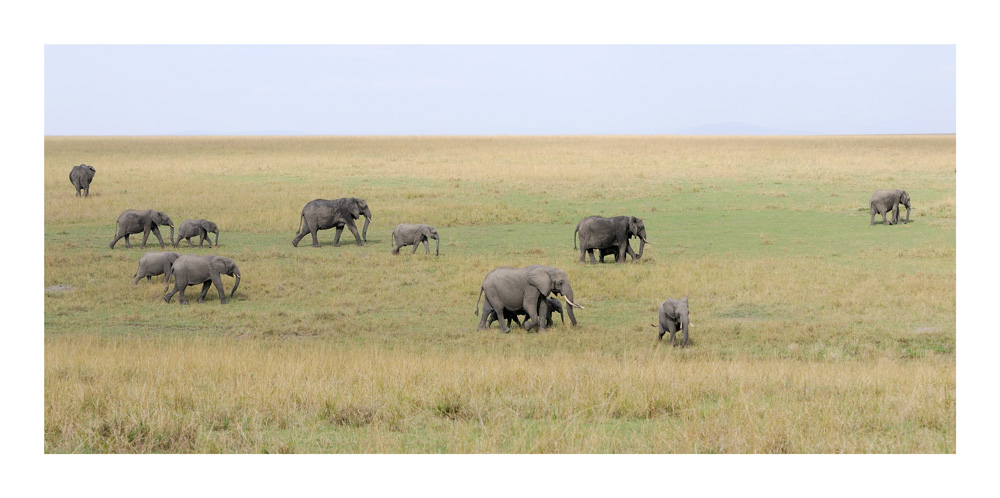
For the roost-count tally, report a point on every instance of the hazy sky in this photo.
(498, 89)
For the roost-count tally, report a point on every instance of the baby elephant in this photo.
(555, 306)
(194, 269)
(155, 263)
(673, 317)
(197, 228)
(406, 234)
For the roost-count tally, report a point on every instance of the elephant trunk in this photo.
(236, 273)
(364, 231)
(216, 237)
(172, 234)
(437, 245)
(568, 295)
(642, 246)
(907, 213)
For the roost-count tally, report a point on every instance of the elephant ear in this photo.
(426, 230)
(220, 265)
(633, 225)
(206, 225)
(356, 209)
(541, 280)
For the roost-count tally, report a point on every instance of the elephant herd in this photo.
(510, 293)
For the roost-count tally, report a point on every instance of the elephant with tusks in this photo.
(509, 289)
(600, 233)
(322, 214)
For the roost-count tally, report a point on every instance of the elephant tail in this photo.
(302, 220)
(574, 235)
(477, 300)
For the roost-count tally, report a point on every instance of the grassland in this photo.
(812, 332)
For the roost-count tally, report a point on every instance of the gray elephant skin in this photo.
(673, 314)
(197, 228)
(81, 176)
(512, 289)
(886, 200)
(406, 234)
(144, 221)
(598, 232)
(205, 269)
(554, 306)
(322, 214)
(155, 263)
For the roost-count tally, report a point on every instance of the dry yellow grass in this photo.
(812, 332)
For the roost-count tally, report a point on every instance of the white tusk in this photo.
(571, 303)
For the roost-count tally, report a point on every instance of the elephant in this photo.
(197, 228)
(321, 214)
(81, 176)
(673, 314)
(598, 232)
(408, 234)
(135, 221)
(554, 305)
(884, 200)
(206, 269)
(613, 251)
(155, 263)
(511, 289)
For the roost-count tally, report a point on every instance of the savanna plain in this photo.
(811, 331)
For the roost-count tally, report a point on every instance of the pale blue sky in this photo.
(498, 89)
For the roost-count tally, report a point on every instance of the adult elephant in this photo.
(194, 269)
(197, 228)
(321, 214)
(145, 221)
(554, 306)
(673, 315)
(155, 263)
(409, 234)
(598, 232)
(81, 176)
(885, 200)
(511, 289)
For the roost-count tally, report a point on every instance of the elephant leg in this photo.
(661, 330)
(217, 280)
(138, 277)
(620, 255)
(427, 247)
(583, 252)
(336, 238)
(156, 232)
(630, 252)
(354, 230)
(149, 279)
(145, 235)
(127, 243)
(182, 299)
(493, 298)
(86, 191)
(672, 328)
(591, 253)
(530, 304)
(167, 296)
(884, 222)
(204, 291)
(543, 310)
(416, 245)
(114, 241)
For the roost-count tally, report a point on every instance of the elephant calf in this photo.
(155, 263)
(673, 315)
(406, 234)
(555, 306)
(194, 269)
(197, 228)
